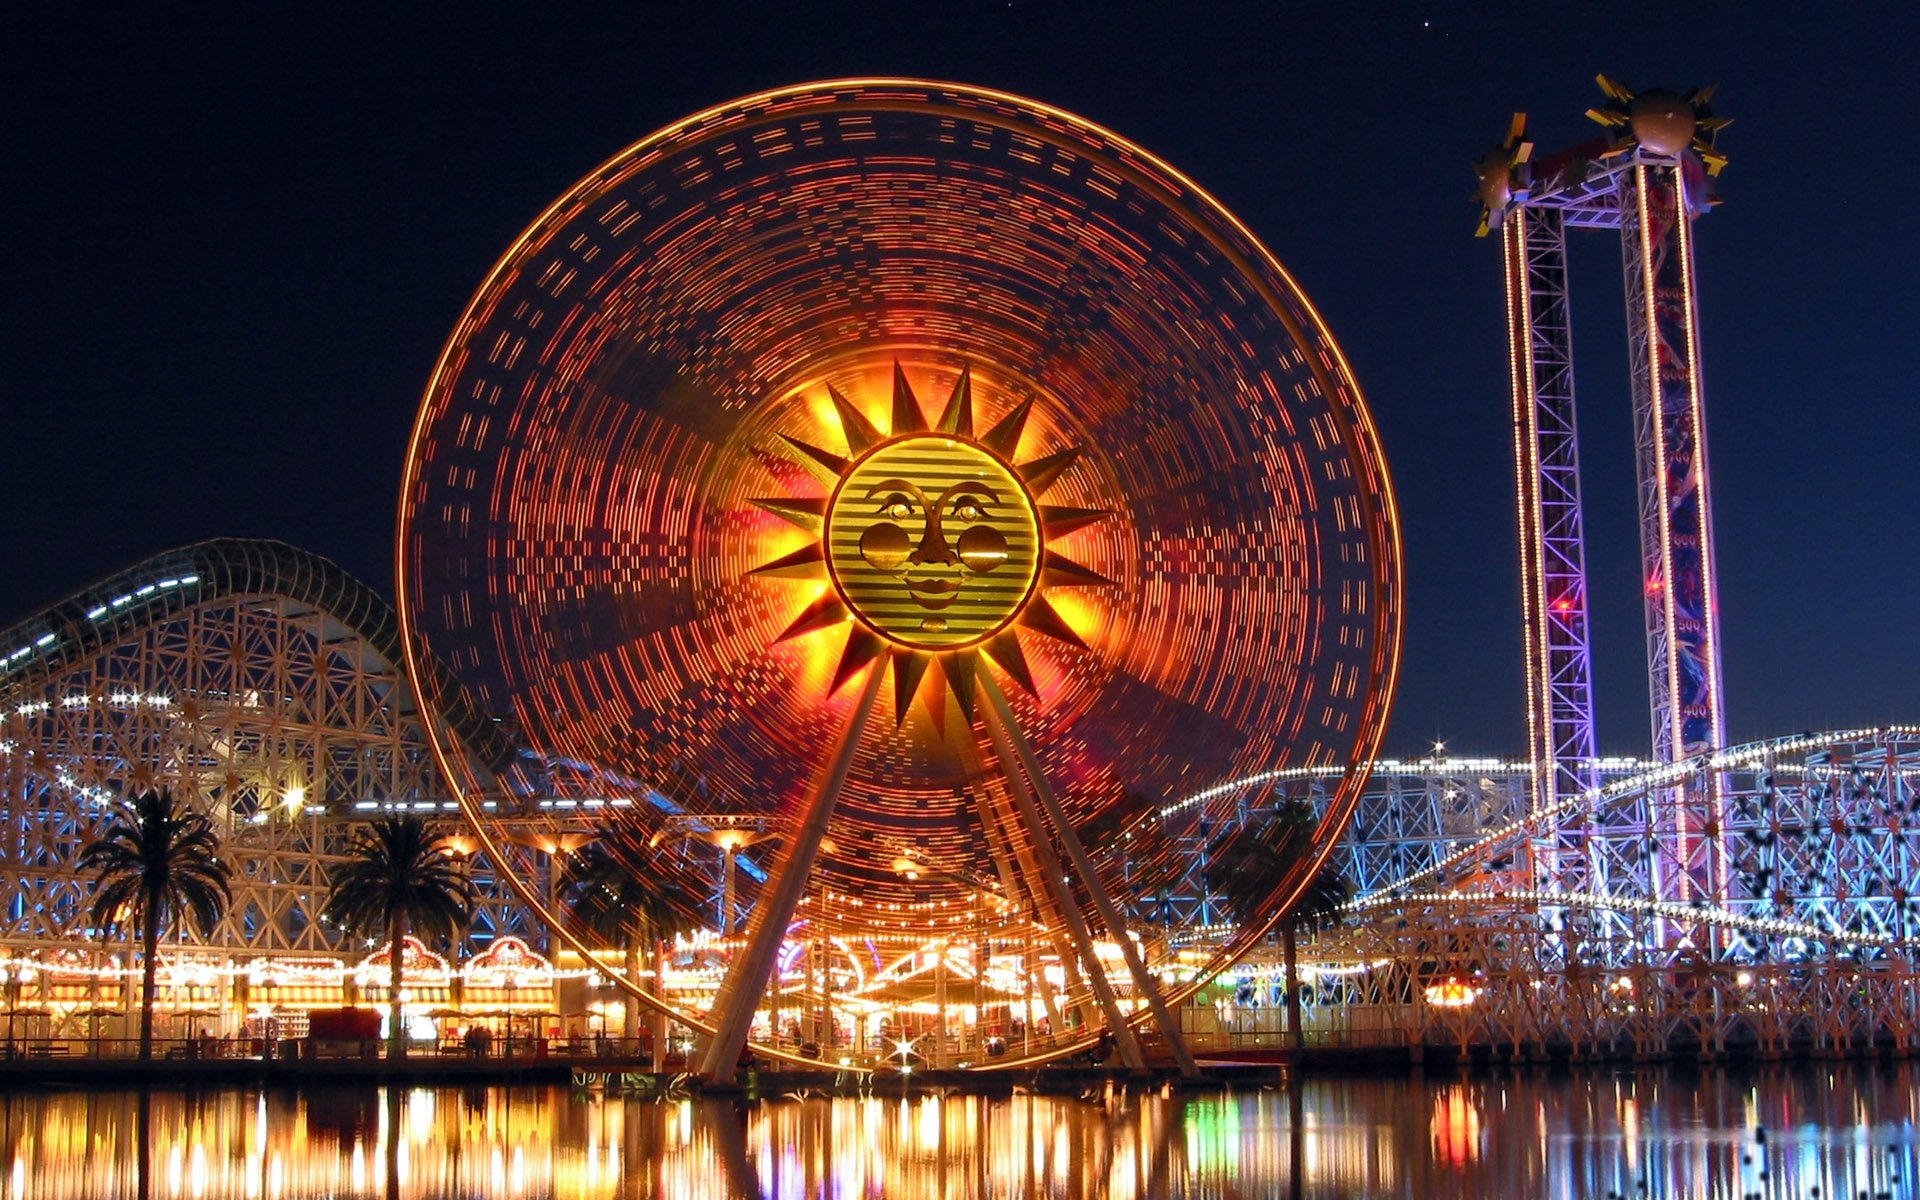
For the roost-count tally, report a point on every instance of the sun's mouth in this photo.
(934, 593)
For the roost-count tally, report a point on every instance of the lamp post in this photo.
(512, 984)
(461, 847)
(10, 980)
(21, 973)
(555, 847)
(729, 834)
(260, 999)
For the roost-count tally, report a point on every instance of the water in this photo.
(1842, 1130)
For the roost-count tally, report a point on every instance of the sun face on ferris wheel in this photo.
(640, 525)
(933, 541)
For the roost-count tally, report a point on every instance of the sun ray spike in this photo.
(1059, 520)
(1063, 571)
(1614, 89)
(934, 697)
(1041, 618)
(1004, 438)
(962, 668)
(1039, 474)
(1004, 649)
(907, 417)
(829, 610)
(825, 465)
(860, 432)
(957, 416)
(909, 668)
(808, 560)
(863, 646)
(807, 512)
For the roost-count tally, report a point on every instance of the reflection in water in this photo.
(1724, 1136)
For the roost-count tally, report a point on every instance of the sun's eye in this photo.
(897, 508)
(968, 510)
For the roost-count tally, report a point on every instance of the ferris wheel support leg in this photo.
(1007, 737)
(1029, 881)
(1126, 1041)
(748, 975)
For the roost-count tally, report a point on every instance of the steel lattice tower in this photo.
(1647, 178)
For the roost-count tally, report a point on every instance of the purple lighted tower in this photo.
(1648, 177)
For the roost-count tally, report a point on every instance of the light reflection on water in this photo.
(1840, 1129)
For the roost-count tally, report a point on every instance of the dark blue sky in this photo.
(235, 244)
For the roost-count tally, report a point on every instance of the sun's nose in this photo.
(933, 546)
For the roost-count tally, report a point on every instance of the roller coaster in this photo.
(1464, 934)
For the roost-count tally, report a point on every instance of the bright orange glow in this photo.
(1451, 994)
(1083, 614)
(1455, 1128)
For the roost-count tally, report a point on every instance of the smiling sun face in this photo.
(934, 543)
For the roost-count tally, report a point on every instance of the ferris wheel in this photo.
(913, 489)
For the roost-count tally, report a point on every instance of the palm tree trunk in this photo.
(660, 1026)
(396, 1032)
(1289, 950)
(149, 973)
(630, 1010)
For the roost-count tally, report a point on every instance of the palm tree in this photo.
(155, 861)
(627, 901)
(400, 876)
(1256, 862)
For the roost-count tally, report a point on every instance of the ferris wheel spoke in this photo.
(1014, 858)
(748, 974)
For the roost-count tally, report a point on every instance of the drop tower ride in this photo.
(1648, 177)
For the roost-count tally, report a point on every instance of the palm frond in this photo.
(398, 865)
(619, 891)
(156, 854)
(1259, 860)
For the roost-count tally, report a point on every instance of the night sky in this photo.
(236, 244)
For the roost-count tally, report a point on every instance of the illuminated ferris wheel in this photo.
(908, 489)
